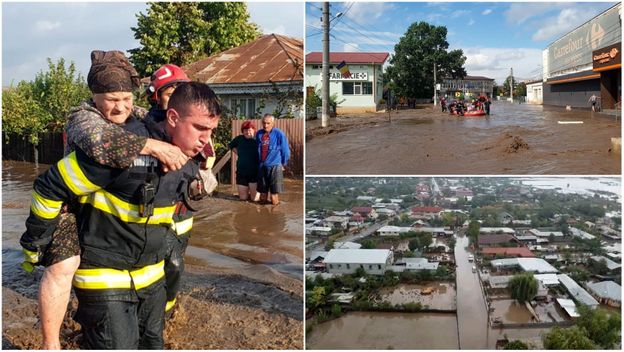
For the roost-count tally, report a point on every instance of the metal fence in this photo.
(49, 150)
(293, 128)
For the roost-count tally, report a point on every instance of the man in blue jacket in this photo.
(274, 153)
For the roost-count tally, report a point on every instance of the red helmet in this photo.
(164, 77)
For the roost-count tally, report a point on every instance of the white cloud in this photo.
(519, 13)
(271, 17)
(496, 62)
(351, 48)
(555, 27)
(486, 12)
(471, 22)
(366, 12)
(44, 26)
(459, 13)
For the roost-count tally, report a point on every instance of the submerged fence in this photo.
(49, 150)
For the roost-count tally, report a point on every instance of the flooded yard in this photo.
(510, 311)
(515, 139)
(375, 330)
(437, 295)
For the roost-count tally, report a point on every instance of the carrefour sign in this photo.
(575, 48)
(354, 76)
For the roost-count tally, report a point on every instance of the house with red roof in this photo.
(426, 212)
(497, 240)
(355, 78)
(365, 212)
(507, 252)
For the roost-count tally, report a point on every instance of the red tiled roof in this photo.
(489, 239)
(426, 209)
(349, 58)
(519, 251)
(364, 210)
(270, 58)
(357, 217)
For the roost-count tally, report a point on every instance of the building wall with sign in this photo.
(359, 93)
(570, 73)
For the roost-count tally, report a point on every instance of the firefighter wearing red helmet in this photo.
(163, 83)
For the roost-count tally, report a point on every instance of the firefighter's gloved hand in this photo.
(209, 180)
(31, 259)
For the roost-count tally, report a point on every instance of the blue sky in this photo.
(32, 32)
(494, 36)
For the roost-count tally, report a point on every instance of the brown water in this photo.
(375, 330)
(515, 139)
(262, 242)
(510, 311)
(442, 296)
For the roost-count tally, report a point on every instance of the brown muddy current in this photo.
(242, 288)
(514, 139)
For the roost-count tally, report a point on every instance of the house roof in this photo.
(419, 264)
(611, 265)
(358, 256)
(606, 289)
(580, 233)
(390, 228)
(347, 245)
(492, 239)
(536, 265)
(520, 251)
(576, 291)
(477, 78)
(547, 279)
(507, 230)
(350, 58)
(364, 210)
(270, 58)
(569, 306)
(426, 209)
(335, 218)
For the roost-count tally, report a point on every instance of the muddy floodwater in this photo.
(375, 330)
(514, 139)
(510, 311)
(442, 295)
(242, 288)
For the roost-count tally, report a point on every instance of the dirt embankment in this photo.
(214, 311)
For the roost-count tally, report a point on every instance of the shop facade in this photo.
(586, 62)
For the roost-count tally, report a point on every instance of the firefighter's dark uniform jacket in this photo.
(122, 249)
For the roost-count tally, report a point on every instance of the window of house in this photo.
(316, 67)
(339, 266)
(244, 107)
(379, 266)
(348, 266)
(370, 267)
(331, 266)
(357, 88)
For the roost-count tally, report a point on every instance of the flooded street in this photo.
(471, 312)
(375, 330)
(515, 139)
(244, 269)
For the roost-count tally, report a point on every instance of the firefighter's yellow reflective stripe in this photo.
(29, 256)
(45, 208)
(101, 279)
(73, 176)
(125, 211)
(182, 227)
(148, 275)
(170, 305)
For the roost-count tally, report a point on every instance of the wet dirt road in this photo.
(242, 287)
(471, 312)
(515, 139)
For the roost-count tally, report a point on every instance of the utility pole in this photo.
(435, 91)
(325, 87)
(511, 85)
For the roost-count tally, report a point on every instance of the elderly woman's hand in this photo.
(171, 156)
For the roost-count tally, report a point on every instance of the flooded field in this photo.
(515, 139)
(244, 268)
(441, 296)
(374, 330)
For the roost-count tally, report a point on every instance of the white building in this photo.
(534, 265)
(581, 234)
(318, 230)
(347, 261)
(361, 90)
(340, 222)
(415, 264)
(389, 230)
(495, 230)
(534, 92)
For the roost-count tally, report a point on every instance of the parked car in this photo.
(474, 269)
(470, 257)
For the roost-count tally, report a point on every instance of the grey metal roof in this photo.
(611, 265)
(576, 291)
(606, 289)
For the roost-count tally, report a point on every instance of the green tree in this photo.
(473, 231)
(523, 287)
(516, 345)
(602, 328)
(573, 338)
(42, 105)
(184, 32)
(411, 70)
(318, 298)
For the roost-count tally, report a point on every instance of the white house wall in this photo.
(350, 268)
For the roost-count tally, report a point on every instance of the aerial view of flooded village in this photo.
(463, 263)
